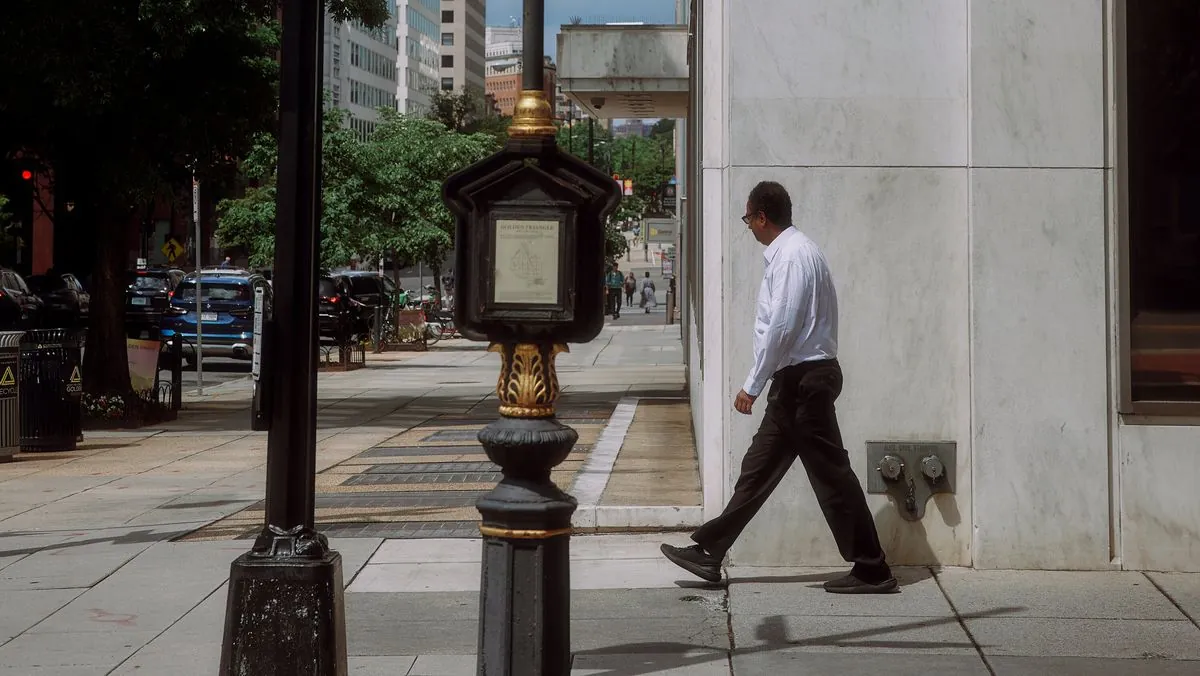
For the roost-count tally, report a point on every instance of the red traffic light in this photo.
(26, 175)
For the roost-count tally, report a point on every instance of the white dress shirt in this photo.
(796, 316)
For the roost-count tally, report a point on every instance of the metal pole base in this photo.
(286, 611)
(525, 602)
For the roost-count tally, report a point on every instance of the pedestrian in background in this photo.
(649, 293)
(630, 288)
(614, 281)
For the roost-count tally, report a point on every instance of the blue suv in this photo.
(226, 313)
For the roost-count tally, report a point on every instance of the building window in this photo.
(447, 61)
(447, 39)
(448, 84)
(447, 16)
(1161, 182)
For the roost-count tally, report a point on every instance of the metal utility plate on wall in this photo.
(912, 453)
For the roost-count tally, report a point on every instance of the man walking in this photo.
(614, 281)
(795, 346)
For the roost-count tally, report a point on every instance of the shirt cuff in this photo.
(752, 387)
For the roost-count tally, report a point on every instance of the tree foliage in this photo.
(123, 101)
(381, 196)
(467, 112)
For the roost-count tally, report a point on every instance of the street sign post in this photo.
(173, 250)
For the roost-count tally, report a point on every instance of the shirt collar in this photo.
(770, 252)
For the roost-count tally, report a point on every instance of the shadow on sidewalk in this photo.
(139, 537)
(774, 632)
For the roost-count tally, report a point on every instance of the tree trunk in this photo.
(436, 269)
(106, 365)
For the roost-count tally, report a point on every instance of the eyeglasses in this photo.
(749, 217)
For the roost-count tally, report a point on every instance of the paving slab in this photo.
(195, 639)
(1183, 589)
(20, 610)
(692, 663)
(1081, 666)
(444, 665)
(192, 642)
(455, 566)
(848, 634)
(72, 564)
(649, 635)
(150, 593)
(798, 591)
(379, 666)
(411, 624)
(98, 650)
(1059, 637)
(54, 671)
(1065, 594)
(793, 663)
(657, 463)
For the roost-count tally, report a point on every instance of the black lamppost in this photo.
(530, 240)
(285, 612)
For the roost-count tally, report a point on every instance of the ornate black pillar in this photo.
(526, 522)
(530, 246)
(285, 610)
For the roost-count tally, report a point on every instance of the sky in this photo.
(559, 12)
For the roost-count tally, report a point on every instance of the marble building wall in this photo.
(950, 158)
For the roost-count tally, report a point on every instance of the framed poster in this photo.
(525, 267)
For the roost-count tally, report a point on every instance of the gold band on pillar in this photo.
(532, 115)
(528, 384)
(492, 531)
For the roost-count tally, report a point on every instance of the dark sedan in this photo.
(147, 298)
(20, 308)
(67, 304)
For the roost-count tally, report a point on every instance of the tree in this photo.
(348, 183)
(663, 127)
(124, 101)
(414, 157)
(573, 138)
(649, 162)
(10, 237)
(466, 111)
(381, 196)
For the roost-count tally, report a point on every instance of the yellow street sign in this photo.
(173, 250)
(75, 377)
(7, 378)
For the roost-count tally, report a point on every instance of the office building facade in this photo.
(461, 41)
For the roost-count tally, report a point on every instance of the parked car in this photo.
(67, 305)
(147, 297)
(20, 308)
(334, 307)
(367, 290)
(226, 314)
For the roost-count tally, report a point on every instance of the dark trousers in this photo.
(801, 421)
(614, 300)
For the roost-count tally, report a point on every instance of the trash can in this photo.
(50, 387)
(10, 419)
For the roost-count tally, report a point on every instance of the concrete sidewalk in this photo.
(121, 601)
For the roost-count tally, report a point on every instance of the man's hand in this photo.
(743, 403)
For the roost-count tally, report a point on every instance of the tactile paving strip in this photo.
(421, 483)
